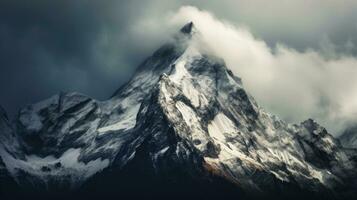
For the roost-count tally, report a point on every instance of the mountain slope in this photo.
(349, 137)
(182, 117)
(69, 137)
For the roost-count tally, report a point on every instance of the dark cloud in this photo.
(51, 46)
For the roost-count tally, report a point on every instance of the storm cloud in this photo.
(88, 46)
(296, 58)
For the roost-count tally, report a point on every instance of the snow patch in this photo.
(220, 126)
(31, 121)
(180, 71)
(66, 166)
(188, 114)
(183, 78)
(126, 122)
(197, 135)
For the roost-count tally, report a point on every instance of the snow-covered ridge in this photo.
(72, 136)
(241, 136)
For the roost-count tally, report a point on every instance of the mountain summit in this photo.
(183, 125)
(188, 28)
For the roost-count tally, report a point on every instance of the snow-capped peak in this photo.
(182, 110)
(189, 29)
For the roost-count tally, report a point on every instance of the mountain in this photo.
(183, 125)
(349, 137)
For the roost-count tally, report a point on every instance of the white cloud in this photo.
(294, 85)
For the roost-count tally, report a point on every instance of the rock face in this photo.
(349, 137)
(183, 118)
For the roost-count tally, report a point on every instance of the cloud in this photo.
(87, 46)
(292, 84)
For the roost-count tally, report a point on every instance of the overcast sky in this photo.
(94, 46)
